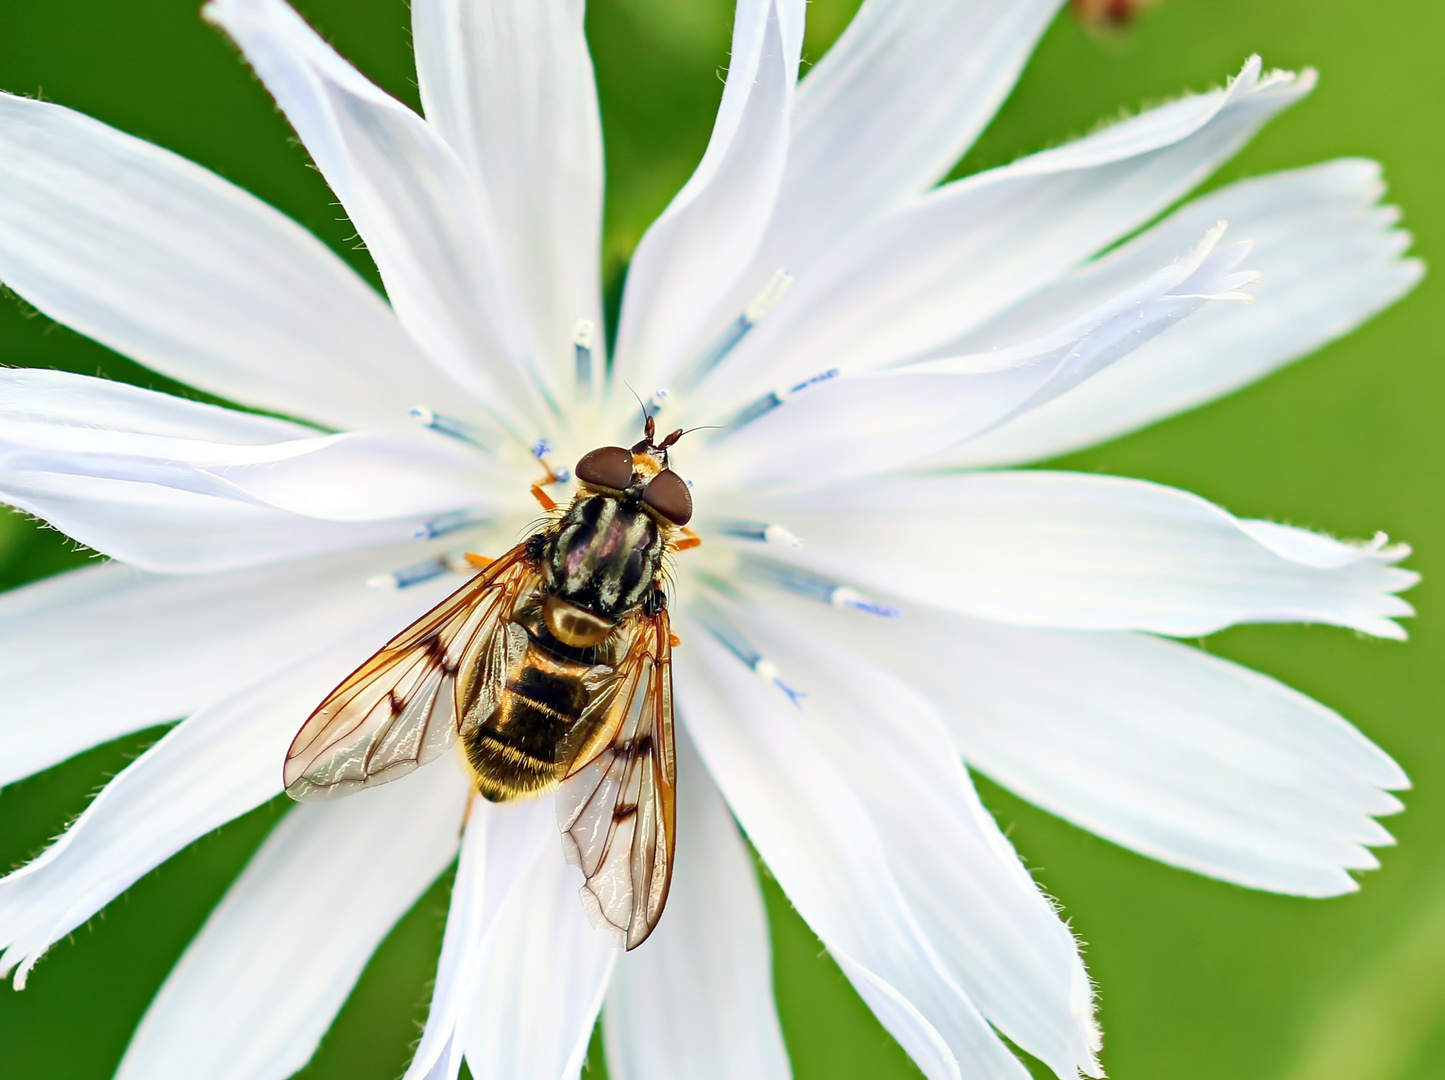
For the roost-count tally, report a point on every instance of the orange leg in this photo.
(689, 540)
(481, 562)
(548, 503)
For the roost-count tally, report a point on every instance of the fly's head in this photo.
(640, 473)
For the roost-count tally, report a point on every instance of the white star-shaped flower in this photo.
(875, 602)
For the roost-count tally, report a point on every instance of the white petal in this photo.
(409, 196)
(696, 1000)
(170, 264)
(509, 85)
(1156, 745)
(211, 768)
(879, 421)
(1091, 552)
(354, 476)
(691, 255)
(925, 274)
(168, 530)
(499, 848)
(160, 647)
(996, 934)
(886, 113)
(258, 987)
(37, 396)
(819, 842)
(1329, 257)
(150, 488)
(543, 980)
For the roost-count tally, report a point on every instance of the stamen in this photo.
(768, 402)
(656, 402)
(813, 586)
(728, 636)
(450, 523)
(541, 448)
(761, 532)
(445, 425)
(582, 346)
(756, 311)
(411, 575)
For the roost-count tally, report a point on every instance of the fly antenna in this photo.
(646, 419)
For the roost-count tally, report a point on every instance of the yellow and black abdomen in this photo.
(524, 744)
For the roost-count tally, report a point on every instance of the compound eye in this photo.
(669, 496)
(607, 466)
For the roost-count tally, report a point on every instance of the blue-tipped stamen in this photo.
(768, 402)
(813, 586)
(452, 428)
(411, 575)
(760, 532)
(728, 636)
(735, 331)
(446, 524)
(582, 348)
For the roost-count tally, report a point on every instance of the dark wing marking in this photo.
(400, 709)
(617, 804)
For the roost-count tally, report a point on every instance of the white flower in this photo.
(927, 332)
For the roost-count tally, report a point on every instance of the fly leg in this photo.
(554, 476)
(690, 539)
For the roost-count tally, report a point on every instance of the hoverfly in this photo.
(552, 668)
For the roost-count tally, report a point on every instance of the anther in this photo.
(757, 310)
(446, 425)
(656, 401)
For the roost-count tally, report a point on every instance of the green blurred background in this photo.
(1197, 978)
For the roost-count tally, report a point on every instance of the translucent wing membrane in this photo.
(617, 805)
(400, 709)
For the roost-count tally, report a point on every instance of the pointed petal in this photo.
(691, 256)
(161, 647)
(175, 267)
(150, 488)
(876, 422)
(820, 843)
(995, 933)
(499, 848)
(542, 981)
(1091, 552)
(697, 999)
(422, 219)
(258, 987)
(215, 766)
(887, 111)
(927, 273)
(1156, 745)
(509, 85)
(1329, 258)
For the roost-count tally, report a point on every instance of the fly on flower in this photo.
(550, 667)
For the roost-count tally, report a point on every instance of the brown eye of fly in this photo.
(669, 496)
(607, 466)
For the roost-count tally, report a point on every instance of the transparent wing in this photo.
(400, 709)
(617, 805)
